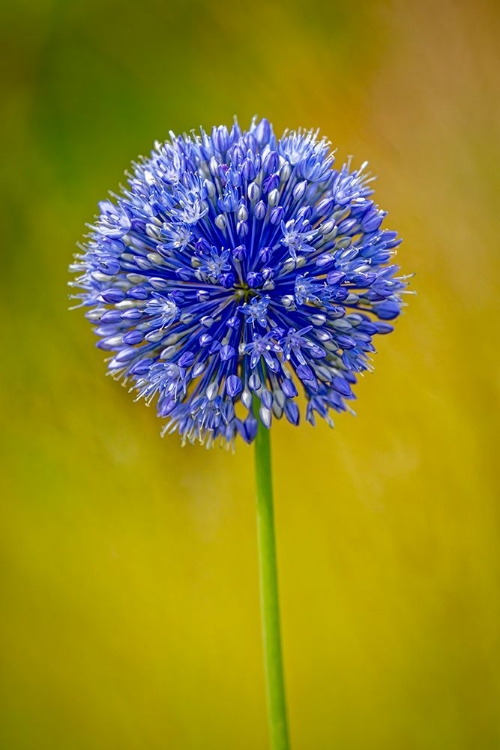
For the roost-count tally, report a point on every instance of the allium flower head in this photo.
(234, 268)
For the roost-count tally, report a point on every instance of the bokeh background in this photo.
(130, 613)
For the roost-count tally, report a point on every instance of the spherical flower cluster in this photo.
(234, 270)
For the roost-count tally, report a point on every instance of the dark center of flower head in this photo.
(234, 268)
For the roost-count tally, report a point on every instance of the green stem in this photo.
(276, 703)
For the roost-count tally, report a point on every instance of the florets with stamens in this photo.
(237, 268)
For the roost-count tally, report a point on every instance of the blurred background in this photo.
(130, 612)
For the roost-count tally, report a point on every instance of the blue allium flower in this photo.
(235, 268)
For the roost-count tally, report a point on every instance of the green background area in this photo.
(130, 612)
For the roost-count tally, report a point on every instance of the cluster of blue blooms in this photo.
(234, 269)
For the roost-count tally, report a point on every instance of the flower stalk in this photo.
(268, 572)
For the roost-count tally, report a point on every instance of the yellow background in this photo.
(130, 617)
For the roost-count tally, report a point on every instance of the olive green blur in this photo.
(129, 597)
